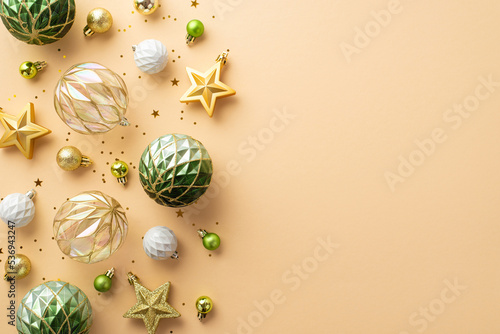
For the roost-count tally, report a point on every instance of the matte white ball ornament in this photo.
(150, 56)
(18, 210)
(160, 243)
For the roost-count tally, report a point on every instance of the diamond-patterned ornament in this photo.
(90, 227)
(38, 21)
(54, 307)
(18, 209)
(91, 99)
(160, 243)
(175, 170)
(150, 56)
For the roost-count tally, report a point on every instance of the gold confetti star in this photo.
(1, 250)
(21, 131)
(207, 87)
(180, 213)
(175, 82)
(194, 3)
(38, 183)
(151, 306)
(156, 113)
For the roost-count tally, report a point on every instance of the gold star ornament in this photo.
(21, 131)
(207, 87)
(151, 306)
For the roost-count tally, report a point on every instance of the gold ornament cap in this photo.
(99, 20)
(70, 158)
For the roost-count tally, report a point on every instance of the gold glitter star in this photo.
(38, 183)
(151, 305)
(175, 82)
(180, 213)
(207, 87)
(21, 131)
(194, 3)
(156, 113)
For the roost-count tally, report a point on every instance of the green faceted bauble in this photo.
(175, 170)
(54, 307)
(38, 21)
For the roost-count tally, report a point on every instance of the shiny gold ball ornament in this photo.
(204, 304)
(29, 69)
(90, 227)
(17, 267)
(70, 158)
(146, 7)
(119, 169)
(99, 20)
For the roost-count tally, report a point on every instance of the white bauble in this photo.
(18, 209)
(160, 243)
(150, 56)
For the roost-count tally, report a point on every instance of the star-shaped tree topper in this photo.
(207, 87)
(21, 131)
(151, 305)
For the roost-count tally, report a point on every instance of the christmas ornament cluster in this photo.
(175, 170)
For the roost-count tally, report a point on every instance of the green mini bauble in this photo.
(38, 21)
(54, 307)
(175, 170)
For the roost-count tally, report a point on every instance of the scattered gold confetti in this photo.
(175, 82)
(156, 113)
(194, 3)
(38, 183)
(180, 213)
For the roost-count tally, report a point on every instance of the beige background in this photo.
(320, 176)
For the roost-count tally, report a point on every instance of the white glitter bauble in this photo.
(160, 243)
(18, 209)
(150, 56)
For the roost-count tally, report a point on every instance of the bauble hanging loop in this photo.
(99, 20)
(70, 158)
(18, 210)
(29, 70)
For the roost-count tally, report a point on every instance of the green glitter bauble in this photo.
(175, 170)
(54, 307)
(38, 21)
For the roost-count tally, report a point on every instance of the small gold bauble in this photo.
(99, 20)
(146, 7)
(70, 158)
(119, 169)
(204, 304)
(17, 267)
